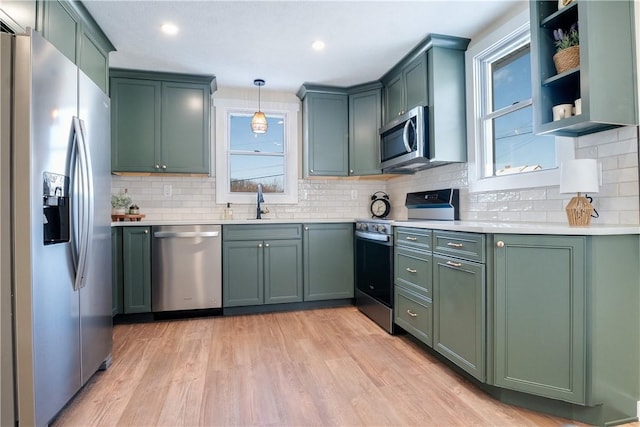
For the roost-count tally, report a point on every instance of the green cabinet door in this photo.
(415, 82)
(93, 60)
(116, 271)
(540, 344)
(459, 313)
(242, 273)
(135, 125)
(60, 27)
(328, 261)
(365, 119)
(185, 128)
(394, 98)
(136, 255)
(282, 271)
(326, 144)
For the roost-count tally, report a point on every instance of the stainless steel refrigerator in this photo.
(55, 229)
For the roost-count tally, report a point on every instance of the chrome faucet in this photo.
(260, 200)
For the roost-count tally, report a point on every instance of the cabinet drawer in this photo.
(413, 314)
(413, 270)
(468, 246)
(413, 238)
(262, 232)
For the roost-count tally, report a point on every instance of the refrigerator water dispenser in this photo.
(55, 205)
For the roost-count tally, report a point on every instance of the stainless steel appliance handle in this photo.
(373, 236)
(81, 171)
(89, 199)
(163, 234)
(405, 134)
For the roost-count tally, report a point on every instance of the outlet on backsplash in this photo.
(166, 191)
(354, 194)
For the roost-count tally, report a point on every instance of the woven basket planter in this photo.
(567, 58)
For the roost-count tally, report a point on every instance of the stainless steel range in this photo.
(374, 251)
(374, 270)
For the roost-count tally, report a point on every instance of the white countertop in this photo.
(486, 227)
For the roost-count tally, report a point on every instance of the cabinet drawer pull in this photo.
(412, 239)
(410, 270)
(454, 264)
(455, 245)
(412, 314)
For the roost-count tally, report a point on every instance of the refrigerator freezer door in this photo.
(95, 296)
(47, 307)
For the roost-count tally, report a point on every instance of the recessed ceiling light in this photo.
(318, 45)
(169, 29)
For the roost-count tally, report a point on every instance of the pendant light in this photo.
(259, 120)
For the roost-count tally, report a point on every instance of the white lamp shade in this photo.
(579, 176)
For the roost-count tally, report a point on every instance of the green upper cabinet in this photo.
(116, 271)
(433, 75)
(340, 128)
(69, 26)
(160, 122)
(328, 261)
(406, 87)
(605, 79)
(325, 123)
(365, 120)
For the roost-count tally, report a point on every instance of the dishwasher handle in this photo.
(162, 234)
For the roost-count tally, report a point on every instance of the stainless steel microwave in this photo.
(403, 142)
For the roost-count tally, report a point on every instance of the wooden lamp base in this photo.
(579, 211)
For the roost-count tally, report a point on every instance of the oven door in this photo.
(374, 269)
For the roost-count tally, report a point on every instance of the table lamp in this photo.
(579, 176)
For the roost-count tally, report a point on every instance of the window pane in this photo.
(516, 148)
(247, 171)
(243, 139)
(511, 79)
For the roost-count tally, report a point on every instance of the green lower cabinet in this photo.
(540, 344)
(136, 268)
(116, 271)
(459, 313)
(328, 261)
(257, 272)
(413, 313)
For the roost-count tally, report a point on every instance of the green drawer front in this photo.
(262, 232)
(413, 238)
(414, 315)
(468, 246)
(413, 270)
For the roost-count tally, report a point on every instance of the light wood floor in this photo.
(330, 367)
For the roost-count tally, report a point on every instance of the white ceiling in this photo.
(238, 41)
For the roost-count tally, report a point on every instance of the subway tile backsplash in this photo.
(617, 202)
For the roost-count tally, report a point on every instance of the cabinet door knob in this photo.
(500, 244)
(412, 314)
(266, 245)
(146, 231)
(157, 166)
(259, 245)
(306, 229)
(164, 166)
(351, 171)
(311, 171)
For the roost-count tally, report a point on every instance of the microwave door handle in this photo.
(405, 135)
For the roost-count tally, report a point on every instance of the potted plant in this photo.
(119, 203)
(567, 45)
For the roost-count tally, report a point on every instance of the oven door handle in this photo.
(373, 236)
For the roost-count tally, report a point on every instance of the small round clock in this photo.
(380, 206)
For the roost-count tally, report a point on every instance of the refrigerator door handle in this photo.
(81, 173)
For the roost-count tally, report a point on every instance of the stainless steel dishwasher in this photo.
(186, 267)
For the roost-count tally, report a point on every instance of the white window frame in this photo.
(223, 108)
(513, 33)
